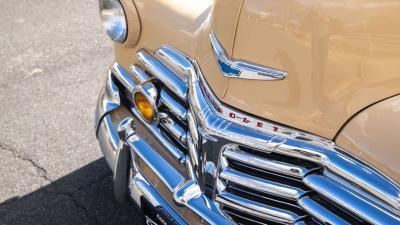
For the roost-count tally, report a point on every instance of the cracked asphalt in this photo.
(53, 60)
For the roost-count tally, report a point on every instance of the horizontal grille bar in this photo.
(176, 108)
(346, 167)
(262, 185)
(320, 212)
(174, 129)
(350, 200)
(258, 209)
(172, 149)
(266, 164)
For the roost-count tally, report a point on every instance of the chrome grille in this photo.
(273, 175)
(283, 189)
(172, 107)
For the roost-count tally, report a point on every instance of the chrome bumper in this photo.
(217, 176)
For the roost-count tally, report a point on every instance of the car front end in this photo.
(184, 156)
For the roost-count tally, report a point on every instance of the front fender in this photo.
(373, 136)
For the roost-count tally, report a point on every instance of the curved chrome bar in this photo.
(109, 100)
(174, 83)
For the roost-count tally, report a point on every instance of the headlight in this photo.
(113, 19)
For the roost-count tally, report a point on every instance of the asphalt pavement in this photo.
(53, 59)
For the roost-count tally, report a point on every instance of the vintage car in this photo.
(254, 111)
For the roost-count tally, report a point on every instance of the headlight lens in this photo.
(113, 19)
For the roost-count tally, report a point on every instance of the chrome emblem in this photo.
(242, 69)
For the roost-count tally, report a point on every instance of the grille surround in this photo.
(205, 120)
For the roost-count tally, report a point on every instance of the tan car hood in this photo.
(341, 56)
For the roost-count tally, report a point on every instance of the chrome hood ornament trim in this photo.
(242, 69)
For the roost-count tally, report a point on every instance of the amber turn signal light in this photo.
(144, 107)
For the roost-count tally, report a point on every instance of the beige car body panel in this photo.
(373, 136)
(186, 25)
(340, 57)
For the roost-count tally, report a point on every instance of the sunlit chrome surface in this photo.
(214, 140)
(172, 81)
(176, 108)
(139, 75)
(242, 69)
(257, 209)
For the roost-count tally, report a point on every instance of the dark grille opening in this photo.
(334, 208)
(264, 198)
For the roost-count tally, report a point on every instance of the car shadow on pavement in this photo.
(82, 197)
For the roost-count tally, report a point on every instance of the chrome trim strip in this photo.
(257, 209)
(157, 133)
(109, 140)
(261, 185)
(139, 187)
(174, 83)
(167, 173)
(320, 212)
(177, 62)
(242, 69)
(175, 129)
(190, 196)
(123, 76)
(109, 100)
(350, 200)
(177, 109)
(139, 75)
(265, 163)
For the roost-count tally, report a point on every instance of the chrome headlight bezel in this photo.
(114, 20)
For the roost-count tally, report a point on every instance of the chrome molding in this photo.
(263, 163)
(261, 185)
(139, 75)
(242, 69)
(320, 212)
(170, 177)
(257, 209)
(177, 109)
(140, 187)
(175, 129)
(173, 82)
(109, 100)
